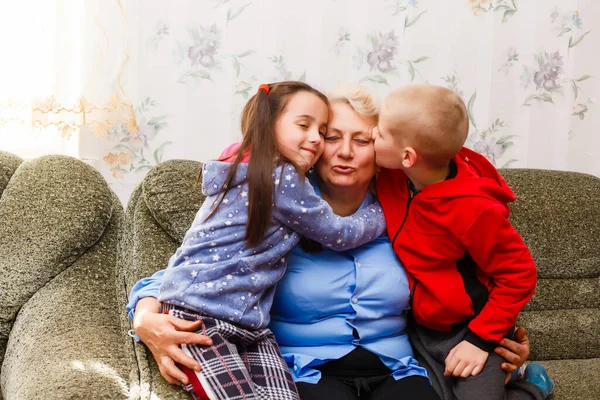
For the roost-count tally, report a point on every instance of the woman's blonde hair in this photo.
(358, 97)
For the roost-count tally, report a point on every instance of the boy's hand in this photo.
(464, 360)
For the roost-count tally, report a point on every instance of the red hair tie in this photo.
(264, 87)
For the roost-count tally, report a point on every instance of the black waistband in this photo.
(358, 363)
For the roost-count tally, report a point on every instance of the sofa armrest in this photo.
(67, 341)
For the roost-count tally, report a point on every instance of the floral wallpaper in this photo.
(527, 70)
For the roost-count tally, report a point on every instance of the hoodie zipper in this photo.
(411, 195)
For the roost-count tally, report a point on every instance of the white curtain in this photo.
(61, 75)
(528, 70)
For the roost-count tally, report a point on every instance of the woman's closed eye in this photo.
(331, 138)
(363, 142)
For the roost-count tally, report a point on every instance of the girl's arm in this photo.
(299, 207)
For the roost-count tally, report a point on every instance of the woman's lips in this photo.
(343, 169)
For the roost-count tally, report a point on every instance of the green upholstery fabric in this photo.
(8, 165)
(558, 215)
(60, 230)
(159, 213)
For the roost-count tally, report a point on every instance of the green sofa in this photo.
(64, 330)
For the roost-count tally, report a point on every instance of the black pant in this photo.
(360, 375)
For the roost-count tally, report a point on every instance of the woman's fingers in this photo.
(184, 325)
(192, 338)
(180, 357)
(510, 345)
(170, 372)
(508, 375)
(508, 367)
(508, 356)
(520, 335)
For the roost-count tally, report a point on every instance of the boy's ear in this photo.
(409, 157)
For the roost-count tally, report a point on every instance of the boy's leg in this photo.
(224, 374)
(488, 384)
(269, 372)
(523, 391)
(428, 352)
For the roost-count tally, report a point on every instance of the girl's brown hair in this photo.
(258, 129)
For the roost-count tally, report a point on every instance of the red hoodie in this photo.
(464, 259)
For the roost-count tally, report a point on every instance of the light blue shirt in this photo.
(324, 296)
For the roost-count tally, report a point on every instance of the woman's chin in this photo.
(344, 182)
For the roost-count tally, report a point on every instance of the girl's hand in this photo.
(163, 334)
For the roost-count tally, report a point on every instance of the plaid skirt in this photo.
(241, 363)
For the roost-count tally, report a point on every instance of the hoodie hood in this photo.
(215, 172)
(476, 177)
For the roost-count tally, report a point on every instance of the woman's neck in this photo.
(343, 201)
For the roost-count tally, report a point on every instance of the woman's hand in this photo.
(515, 352)
(163, 334)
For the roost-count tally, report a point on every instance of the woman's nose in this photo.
(345, 150)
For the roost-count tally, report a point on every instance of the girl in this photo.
(227, 278)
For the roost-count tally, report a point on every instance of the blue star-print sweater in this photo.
(215, 274)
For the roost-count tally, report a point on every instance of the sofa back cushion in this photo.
(8, 165)
(558, 215)
(171, 196)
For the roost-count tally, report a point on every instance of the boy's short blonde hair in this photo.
(431, 119)
(358, 97)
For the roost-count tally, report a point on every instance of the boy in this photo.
(447, 211)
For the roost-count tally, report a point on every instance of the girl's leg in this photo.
(270, 374)
(224, 375)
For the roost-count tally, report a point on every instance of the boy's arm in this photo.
(299, 207)
(497, 248)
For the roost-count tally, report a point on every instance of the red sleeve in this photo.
(499, 251)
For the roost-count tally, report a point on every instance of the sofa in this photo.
(69, 256)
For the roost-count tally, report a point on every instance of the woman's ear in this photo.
(409, 157)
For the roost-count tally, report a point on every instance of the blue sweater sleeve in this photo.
(147, 287)
(302, 210)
